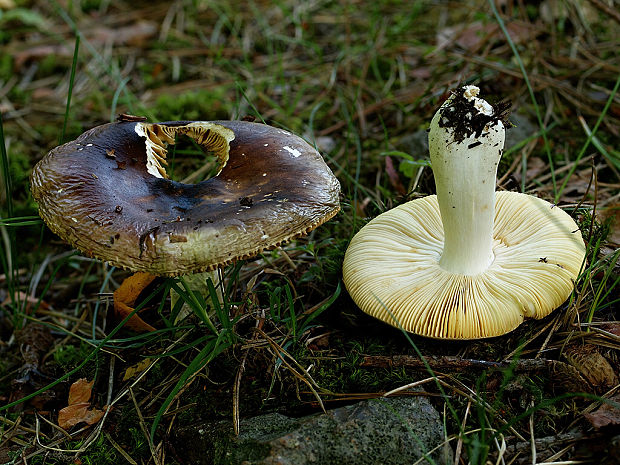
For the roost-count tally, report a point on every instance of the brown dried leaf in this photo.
(606, 414)
(39, 52)
(593, 366)
(80, 391)
(28, 299)
(133, 34)
(613, 328)
(125, 297)
(472, 36)
(393, 176)
(78, 413)
(34, 342)
(78, 410)
(612, 211)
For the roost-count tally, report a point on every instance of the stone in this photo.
(384, 431)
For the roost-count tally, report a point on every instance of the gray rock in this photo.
(522, 129)
(415, 144)
(385, 431)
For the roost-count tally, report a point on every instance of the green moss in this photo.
(19, 169)
(6, 67)
(203, 104)
(70, 356)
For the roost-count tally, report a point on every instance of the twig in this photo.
(408, 386)
(532, 436)
(606, 9)
(143, 428)
(453, 363)
(236, 389)
(120, 450)
(459, 444)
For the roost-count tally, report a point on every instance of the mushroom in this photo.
(468, 262)
(107, 194)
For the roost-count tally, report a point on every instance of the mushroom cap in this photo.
(391, 269)
(106, 193)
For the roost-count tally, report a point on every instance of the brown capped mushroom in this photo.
(272, 187)
(107, 194)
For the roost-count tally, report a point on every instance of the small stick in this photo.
(236, 390)
(448, 362)
(561, 373)
(459, 444)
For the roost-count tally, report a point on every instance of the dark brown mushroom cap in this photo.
(96, 194)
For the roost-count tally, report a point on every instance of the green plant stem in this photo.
(76, 49)
(590, 136)
(502, 26)
(4, 166)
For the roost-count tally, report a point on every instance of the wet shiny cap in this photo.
(108, 194)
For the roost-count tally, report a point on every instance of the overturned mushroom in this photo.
(107, 194)
(468, 262)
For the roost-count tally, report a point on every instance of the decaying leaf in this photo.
(139, 367)
(593, 366)
(613, 328)
(535, 167)
(125, 298)
(78, 410)
(606, 414)
(133, 34)
(26, 301)
(473, 36)
(613, 212)
(393, 176)
(34, 341)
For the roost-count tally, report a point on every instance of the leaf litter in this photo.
(79, 408)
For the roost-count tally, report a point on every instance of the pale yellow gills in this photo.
(391, 269)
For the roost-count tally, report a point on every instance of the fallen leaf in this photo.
(34, 341)
(535, 166)
(132, 34)
(80, 391)
(606, 414)
(78, 410)
(473, 36)
(78, 413)
(393, 176)
(139, 367)
(22, 298)
(39, 52)
(593, 366)
(125, 298)
(613, 328)
(613, 212)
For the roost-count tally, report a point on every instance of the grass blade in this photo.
(591, 135)
(515, 52)
(76, 49)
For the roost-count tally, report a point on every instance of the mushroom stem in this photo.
(197, 283)
(466, 139)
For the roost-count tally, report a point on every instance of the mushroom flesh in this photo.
(468, 262)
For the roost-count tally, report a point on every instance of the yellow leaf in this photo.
(139, 367)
